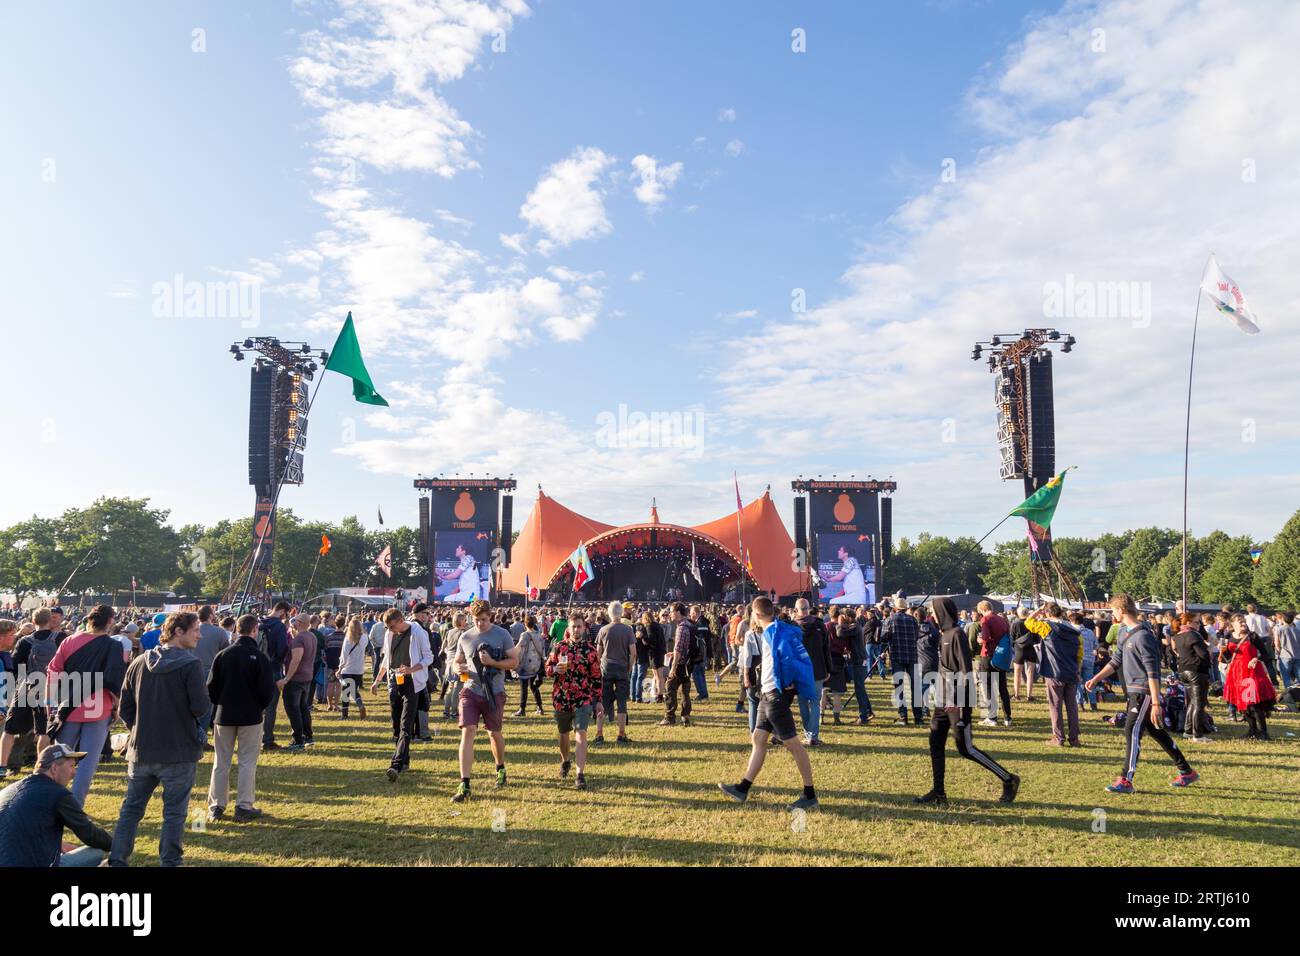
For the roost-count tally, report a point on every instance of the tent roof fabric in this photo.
(553, 531)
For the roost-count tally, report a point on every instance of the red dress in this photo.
(1244, 685)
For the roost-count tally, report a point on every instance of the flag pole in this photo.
(969, 551)
(1187, 436)
(313, 574)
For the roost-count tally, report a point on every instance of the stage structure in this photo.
(465, 530)
(744, 552)
(278, 407)
(1021, 364)
(842, 528)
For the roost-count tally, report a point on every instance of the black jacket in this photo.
(817, 644)
(163, 698)
(871, 630)
(241, 685)
(33, 814)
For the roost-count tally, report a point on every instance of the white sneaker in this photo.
(1006, 723)
(988, 722)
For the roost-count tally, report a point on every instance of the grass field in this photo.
(655, 801)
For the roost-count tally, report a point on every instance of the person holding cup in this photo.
(574, 666)
(405, 662)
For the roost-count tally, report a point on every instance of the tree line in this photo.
(134, 540)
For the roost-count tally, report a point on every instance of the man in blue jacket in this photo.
(786, 670)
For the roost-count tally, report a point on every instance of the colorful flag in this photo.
(345, 358)
(1256, 554)
(749, 561)
(1227, 297)
(325, 545)
(133, 582)
(582, 570)
(385, 560)
(1041, 505)
(529, 591)
(695, 567)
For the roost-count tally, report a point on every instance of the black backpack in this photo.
(697, 646)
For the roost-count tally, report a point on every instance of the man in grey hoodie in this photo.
(164, 699)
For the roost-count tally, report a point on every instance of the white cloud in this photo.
(637, 276)
(726, 115)
(734, 148)
(1101, 169)
(514, 241)
(655, 180)
(567, 204)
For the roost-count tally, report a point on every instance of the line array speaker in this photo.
(1041, 461)
(507, 521)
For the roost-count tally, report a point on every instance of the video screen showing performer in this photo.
(461, 568)
(846, 567)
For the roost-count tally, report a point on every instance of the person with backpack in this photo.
(532, 658)
(994, 631)
(679, 668)
(955, 693)
(352, 667)
(84, 678)
(273, 641)
(31, 657)
(785, 670)
(1192, 657)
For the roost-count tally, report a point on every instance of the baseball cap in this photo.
(131, 628)
(54, 753)
(159, 619)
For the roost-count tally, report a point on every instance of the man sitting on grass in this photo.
(35, 811)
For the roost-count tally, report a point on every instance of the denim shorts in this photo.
(774, 715)
(566, 720)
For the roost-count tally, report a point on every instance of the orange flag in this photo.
(324, 545)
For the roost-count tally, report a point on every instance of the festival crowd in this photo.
(183, 683)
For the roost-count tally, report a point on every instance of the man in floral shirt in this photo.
(574, 665)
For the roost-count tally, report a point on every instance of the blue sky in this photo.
(615, 206)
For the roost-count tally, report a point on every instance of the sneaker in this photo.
(215, 814)
(1007, 722)
(580, 783)
(1121, 785)
(900, 722)
(392, 774)
(426, 739)
(501, 779)
(622, 739)
(271, 746)
(804, 803)
(686, 721)
(294, 749)
(4, 772)
(937, 797)
(733, 791)
(837, 720)
(540, 712)
(564, 768)
(246, 814)
(1186, 779)
(309, 743)
(461, 794)
(988, 722)
(519, 713)
(598, 739)
(1010, 789)
(816, 742)
(667, 722)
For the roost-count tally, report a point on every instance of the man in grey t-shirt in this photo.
(212, 641)
(616, 644)
(483, 654)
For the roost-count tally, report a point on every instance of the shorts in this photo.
(612, 690)
(566, 720)
(836, 682)
(472, 707)
(659, 661)
(1025, 654)
(774, 715)
(24, 720)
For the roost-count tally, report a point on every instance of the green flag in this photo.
(345, 358)
(1041, 505)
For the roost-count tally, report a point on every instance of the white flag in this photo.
(385, 560)
(1227, 297)
(695, 567)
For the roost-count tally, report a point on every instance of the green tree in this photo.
(1143, 553)
(131, 539)
(1277, 581)
(1229, 576)
(1008, 568)
(34, 555)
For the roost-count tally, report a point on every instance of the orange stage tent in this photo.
(553, 531)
